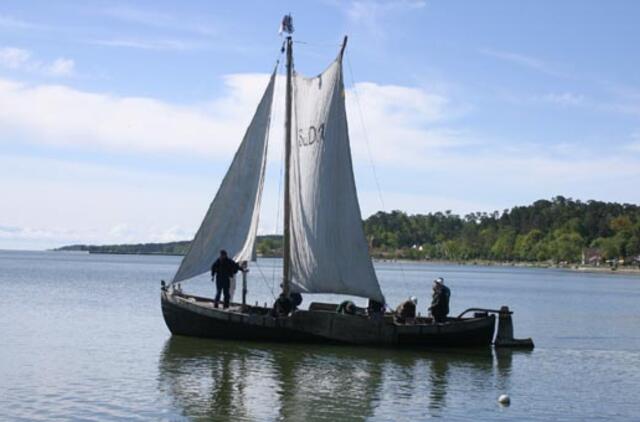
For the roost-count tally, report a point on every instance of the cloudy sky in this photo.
(119, 119)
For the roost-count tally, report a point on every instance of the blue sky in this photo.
(119, 119)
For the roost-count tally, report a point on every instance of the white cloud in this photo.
(126, 233)
(61, 67)
(14, 58)
(63, 116)
(403, 105)
(421, 203)
(21, 59)
(52, 237)
(29, 238)
(59, 115)
(604, 105)
(50, 202)
(404, 126)
(401, 125)
(425, 163)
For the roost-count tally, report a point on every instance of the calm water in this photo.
(82, 338)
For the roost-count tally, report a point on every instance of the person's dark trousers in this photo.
(222, 286)
(439, 316)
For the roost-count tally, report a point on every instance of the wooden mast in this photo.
(287, 160)
(344, 45)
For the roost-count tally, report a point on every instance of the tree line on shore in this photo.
(556, 230)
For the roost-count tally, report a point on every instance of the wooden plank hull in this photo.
(191, 316)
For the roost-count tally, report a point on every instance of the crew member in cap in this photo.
(223, 269)
(440, 300)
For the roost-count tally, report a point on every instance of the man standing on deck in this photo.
(223, 269)
(440, 301)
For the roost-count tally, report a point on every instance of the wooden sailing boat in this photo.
(325, 250)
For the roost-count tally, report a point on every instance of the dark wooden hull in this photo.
(191, 316)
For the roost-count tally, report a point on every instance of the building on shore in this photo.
(592, 256)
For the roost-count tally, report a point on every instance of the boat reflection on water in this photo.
(504, 362)
(248, 381)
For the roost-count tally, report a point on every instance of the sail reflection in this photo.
(244, 381)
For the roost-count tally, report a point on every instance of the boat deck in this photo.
(197, 316)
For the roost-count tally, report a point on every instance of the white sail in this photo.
(231, 223)
(329, 252)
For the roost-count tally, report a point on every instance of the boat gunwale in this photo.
(246, 317)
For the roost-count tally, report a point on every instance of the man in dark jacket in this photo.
(440, 302)
(223, 269)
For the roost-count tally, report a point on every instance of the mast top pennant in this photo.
(286, 26)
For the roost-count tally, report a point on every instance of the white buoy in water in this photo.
(504, 399)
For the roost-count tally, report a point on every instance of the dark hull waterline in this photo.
(196, 317)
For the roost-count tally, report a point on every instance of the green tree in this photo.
(526, 245)
(503, 247)
(567, 246)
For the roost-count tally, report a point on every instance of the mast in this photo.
(286, 276)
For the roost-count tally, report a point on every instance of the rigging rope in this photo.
(371, 162)
(273, 113)
(280, 179)
(314, 44)
(264, 279)
(365, 133)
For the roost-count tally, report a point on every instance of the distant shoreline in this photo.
(483, 263)
(486, 263)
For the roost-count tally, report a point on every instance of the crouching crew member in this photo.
(406, 311)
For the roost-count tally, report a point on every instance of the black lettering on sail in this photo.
(311, 135)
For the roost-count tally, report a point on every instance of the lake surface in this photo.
(82, 338)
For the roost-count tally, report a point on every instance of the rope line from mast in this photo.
(315, 44)
(365, 133)
(371, 161)
(280, 180)
(279, 65)
(265, 280)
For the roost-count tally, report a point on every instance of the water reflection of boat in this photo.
(250, 381)
(325, 250)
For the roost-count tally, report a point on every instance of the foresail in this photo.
(231, 223)
(329, 252)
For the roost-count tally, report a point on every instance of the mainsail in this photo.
(329, 252)
(231, 222)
